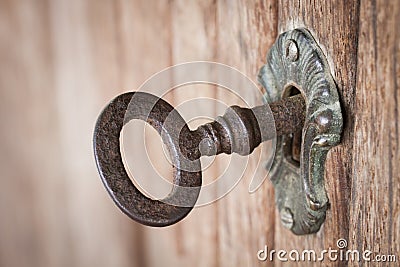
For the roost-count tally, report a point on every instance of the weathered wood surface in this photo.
(334, 25)
(61, 61)
(361, 40)
(375, 195)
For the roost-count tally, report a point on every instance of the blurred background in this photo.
(60, 63)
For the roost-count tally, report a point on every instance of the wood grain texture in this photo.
(246, 30)
(228, 232)
(361, 177)
(62, 61)
(375, 197)
(334, 25)
(181, 243)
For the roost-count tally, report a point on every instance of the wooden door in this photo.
(62, 61)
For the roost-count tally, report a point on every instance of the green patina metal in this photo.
(296, 61)
(306, 128)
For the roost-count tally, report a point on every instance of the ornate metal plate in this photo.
(296, 63)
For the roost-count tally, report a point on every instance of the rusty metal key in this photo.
(239, 130)
(304, 114)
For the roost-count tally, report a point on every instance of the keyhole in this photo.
(292, 143)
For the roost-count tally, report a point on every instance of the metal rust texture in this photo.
(307, 126)
(112, 171)
(239, 130)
